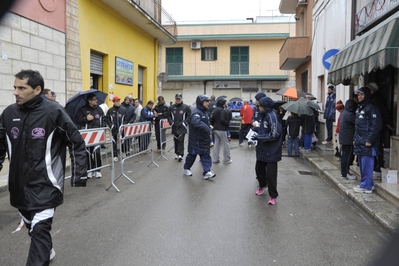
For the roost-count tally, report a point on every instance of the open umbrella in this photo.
(281, 91)
(298, 107)
(309, 103)
(75, 102)
(221, 97)
(309, 96)
(294, 93)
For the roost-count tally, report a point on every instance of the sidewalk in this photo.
(382, 206)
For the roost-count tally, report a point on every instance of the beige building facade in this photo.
(232, 59)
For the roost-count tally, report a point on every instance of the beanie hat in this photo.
(372, 86)
(260, 95)
(116, 98)
(266, 102)
(339, 105)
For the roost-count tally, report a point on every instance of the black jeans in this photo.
(179, 144)
(346, 159)
(266, 173)
(243, 132)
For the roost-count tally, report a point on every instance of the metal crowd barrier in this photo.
(135, 139)
(98, 155)
(165, 136)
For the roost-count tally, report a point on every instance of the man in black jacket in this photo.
(179, 116)
(161, 111)
(116, 116)
(91, 116)
(35, 133)
(220, 123)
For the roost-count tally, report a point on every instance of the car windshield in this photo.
(235, 114)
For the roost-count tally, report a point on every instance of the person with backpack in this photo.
(293, 124)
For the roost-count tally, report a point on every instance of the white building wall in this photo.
(331, 30)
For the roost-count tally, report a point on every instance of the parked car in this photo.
(235, 123)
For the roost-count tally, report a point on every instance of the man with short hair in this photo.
(35, 133)
(137, 109)
(161, 111)
(329, 113)
(179, 116)
(47, 94)
(91, 116)
(246, 114)
(146, 115)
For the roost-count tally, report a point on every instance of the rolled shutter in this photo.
(96, 63)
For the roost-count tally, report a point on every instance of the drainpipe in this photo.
(205, 86)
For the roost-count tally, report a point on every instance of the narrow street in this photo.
(166, 218)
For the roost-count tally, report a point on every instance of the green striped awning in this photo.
(374, 50)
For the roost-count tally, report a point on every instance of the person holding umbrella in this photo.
(91, 116)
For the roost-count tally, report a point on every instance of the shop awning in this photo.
(374, 50)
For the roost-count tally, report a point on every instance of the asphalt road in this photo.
(166, 218)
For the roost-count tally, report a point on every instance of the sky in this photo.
(210, 10)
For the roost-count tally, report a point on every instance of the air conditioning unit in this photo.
(195, 45)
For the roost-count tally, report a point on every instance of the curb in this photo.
(378, 217)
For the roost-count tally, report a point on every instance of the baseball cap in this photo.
(178, 96)
(116, 98)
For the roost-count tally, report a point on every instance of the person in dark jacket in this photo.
(212, 106)
(268, 149)
(329, 113)
(308, 128)
(199, 138)
(161, 111)
(293, 124)
(346, 134)
(35, 133)
(379, 101)
(116, 116)
(179, 117)
(256, 111)
(91, 116)
(220, 123)
(146, 114)
(367, 127)
(130, 110)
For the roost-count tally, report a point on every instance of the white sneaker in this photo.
(212, 144)
(52, 254)
(209, 175)
(187, 172)
(229, 161)
(90, 175)
(98, 175)
(180, 158)
(362, 190)
(376, 173)
(116, 159)
(350, 177)
(176, 157)
(326, 142)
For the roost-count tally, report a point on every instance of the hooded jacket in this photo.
(258, 96)
(269, 136)
(347, 123)
(199, 136)
(368, 124)
(130, 112)
(36, 135)
(220, 117)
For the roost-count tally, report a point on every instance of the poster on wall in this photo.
(123, 71)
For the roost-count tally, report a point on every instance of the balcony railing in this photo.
(209, 69)
(154, 9)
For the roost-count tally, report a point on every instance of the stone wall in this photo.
(26, 44)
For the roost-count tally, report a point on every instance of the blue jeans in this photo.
(296, 146)
(206, 162)
(307, 141)
(366, 164)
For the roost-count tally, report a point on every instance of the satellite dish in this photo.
(163, 77)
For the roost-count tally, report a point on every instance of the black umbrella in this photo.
(221, 97)
(235, 99)
(75, 102)
(309, 96)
